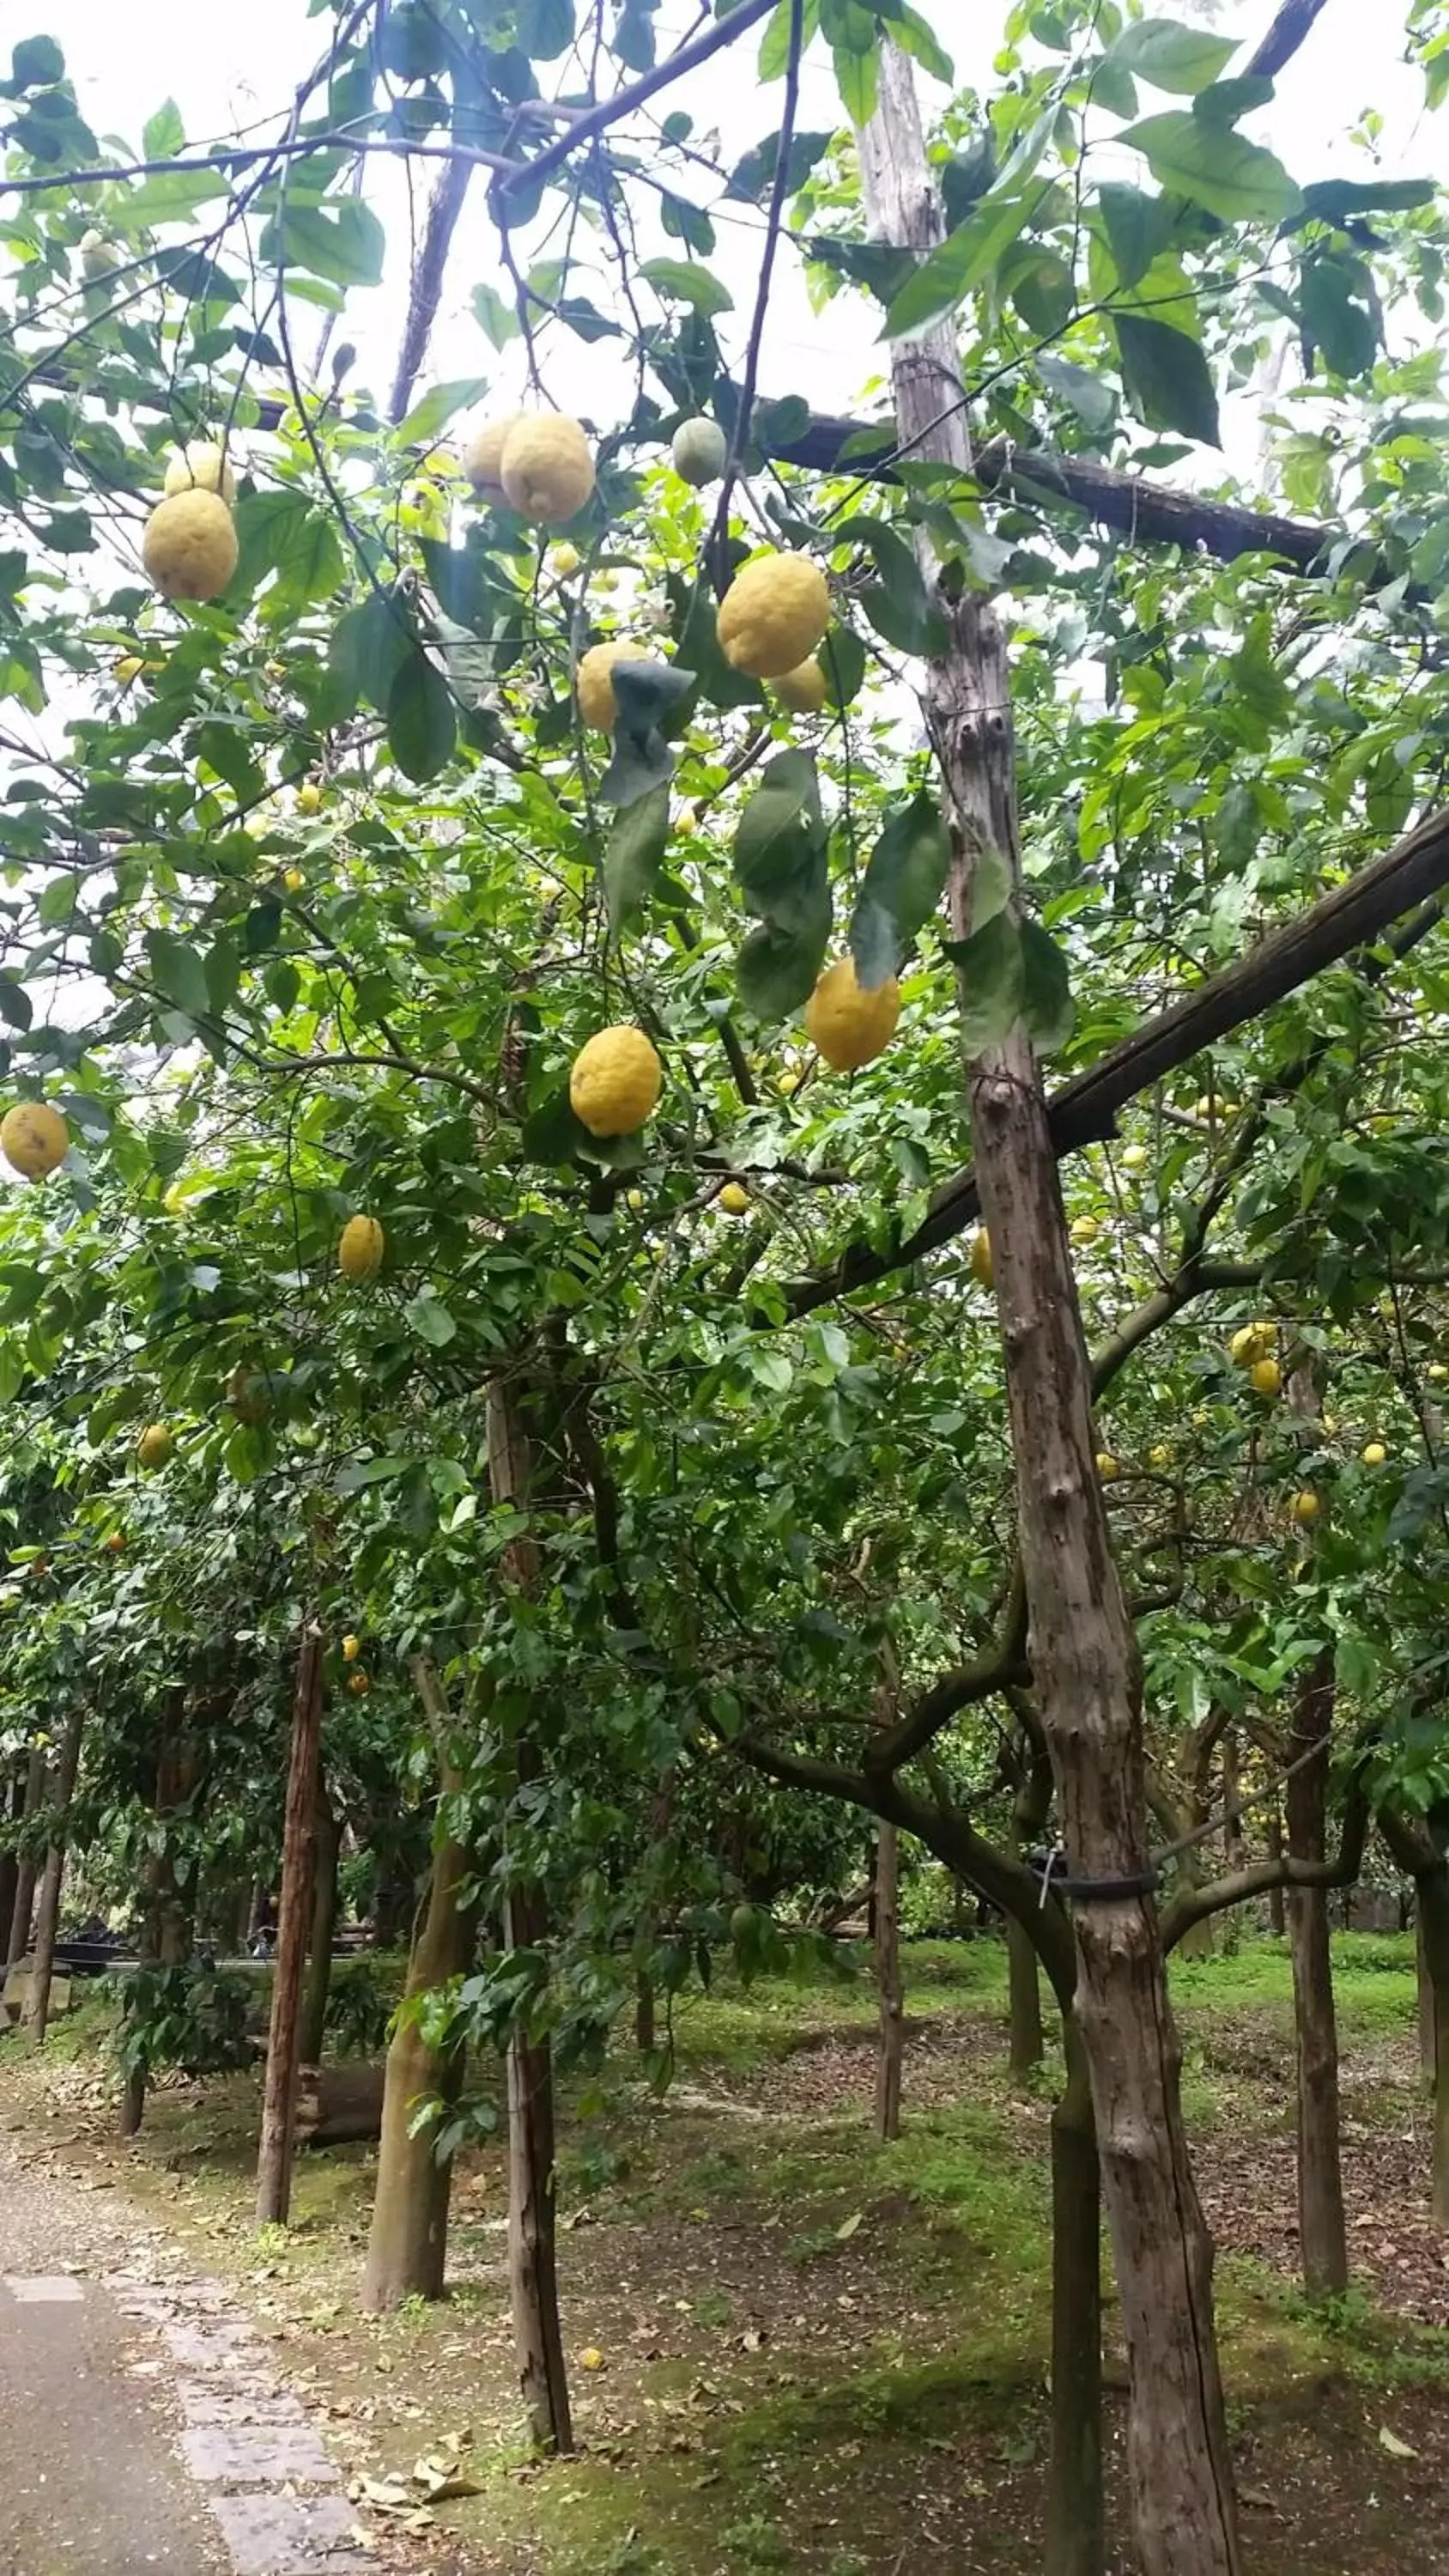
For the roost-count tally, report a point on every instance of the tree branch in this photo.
(596, 120)
(425, 291)
(1005, 1662)
(1294, 21)
(1191, 1905)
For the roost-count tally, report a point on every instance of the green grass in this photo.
(1373, 1982)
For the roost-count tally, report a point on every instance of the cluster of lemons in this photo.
(190, 546)
(770, 624)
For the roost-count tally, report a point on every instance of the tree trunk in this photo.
(47, 1919)
(24, 1903)
(889, 1988)
(1433, 1887)
(1076, 2522)
(1030, 1810)
(1277, 1915)
(644, 2030)
(14, 1809)
(318, 1984)
(294, 1911)
(1235, 1845)
(1083, 1649)
(532, 2244)
(408, 2244)
(1425, 1997)
(1322, 2233)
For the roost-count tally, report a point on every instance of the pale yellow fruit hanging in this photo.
(1135, 1158)
(1266, 1377)
(1159, 1457)
(1373, 1453)
(849, 1025)
(1107, 1467)
(564, 560)
(594, 684)
(1305, 1508)
(616, 1080)
(547, 468)
(983, 1268)
(1084, 1229)
(190, 547)
(127, 668)
(33, 1138)
(294, 880)
(1253, 1342)
(700, 451)
(773, 615)
(359, 1685)
(309, 797)
(351, 1649)
(360, 1250)
(802, 690)
(734, 1198)
(483, 455)
(201, 467)
(1436, 1372)
(98, 257)
(154, 1446)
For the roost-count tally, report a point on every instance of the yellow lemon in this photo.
(1135, 1158)
(1084, 1229)
(699, 449)
(734, 1198)
(803, 689)
(594, 684)
(154, 1446)
(1159, 1457)
(1330, 1424)
(309, 797)
(983, 1268)
(98, 257)
(546, 468)
(634, 1200)
(1436, 1372)
(351, 1649)
(591, 2358)
(33, 1138)
(1305, 1508)
(201, 467)
(190, 549)
(359, 1685)
(246, 1394)
(615, 1082)
(483, 455)
(686, 820)
(773, 615)
(127, 668)
(848, 1024)
(1266, 1377)
(1373, 1453)
(294, 880)
(360, 1250)
(1253, 1342)
(1107, 1467)
(564, 560)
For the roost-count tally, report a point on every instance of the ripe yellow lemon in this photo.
(360, 1250)
(1266, 1377)
(483, 455)
(848, 1024)
(154, 1446)
(983, 1268)
(773, 615)
(98, 257)
(686, 820)
(1084, 1229)
(1330, 1424)
(294, 880)
(1253, 1342)
(803, 689)
(128, 667)
(546, 468)
(699, 449)
(1159, 1457)
(201, 467)
(1305, 1508)
(615, 1082)
(33, 1138)
(594, 684)
(1107, 1467)
(1436, 1372)
(309, 797)
(564, 560)
(734, 1198)
(351, 1649)
(359, 1685)
(1134, 1158)
(190, 549)
(1373, 1453)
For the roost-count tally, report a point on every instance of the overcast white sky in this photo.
(233, 65)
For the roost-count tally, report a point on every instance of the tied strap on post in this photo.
(1056, 1880)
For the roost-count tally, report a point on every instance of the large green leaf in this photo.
(775, 43)
(684, 281)
(422, 722)
(990, 980)
(342, 241)
(634, 854)
(369, 646)
(1215, 167)
(1139, 228)
(899, 606)
(1335, 314)
(778, 828)
(1167, 378)
(906, 870)
(1333, 201)
(962, 261)
(777, 969)
(1170, 56)
(1046, 999)
(437, 408)
(178, 972)
(857, 77)
(647, 697)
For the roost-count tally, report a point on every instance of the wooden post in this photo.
(47, 1919)
(1322, 2227)
(299, 1847)
(18, 1941)
(324, 1924)
(889, 1988)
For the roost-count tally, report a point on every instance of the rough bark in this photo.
(318, 1983)
(408, 2244)
(1030, 1809)
(1235, 1845)
(444, 207)
(23, 1906)
(1416, 1849)
(532, 2245)
(1322, 2231)
(13, 1810)
(294, 1913)
(1277, 1914)
(47, 1914)
(1425, 1998)
(1076, 2521)
(890, 1991)
(1083, 1650)
(1293, 22)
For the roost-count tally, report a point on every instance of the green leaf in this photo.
(1046, 999)
(369, 646)
(437, 407)
(1333, 318)
(1169, 56)
(646, 696)
(227, 751)
(774, 52)
(342, 241)
(178, 973)
(422, 721)
(778, 828)
(900, 606)
(1332, 200)
(498, 319)
(857, 77)
(163, 134)
(842, 656)
(634, 854)
(223, 972)
(545, 28)
(753, 177)
(37, 63)
(873, 943)
(910, 31)
(1139, 229)
(990, 978)
(430, 1320)
(1166, 378)
(1044, 293)
(1216, 168)
(684, 281)
(960, 263)
(778, 969)
(553, 1132)
(906, 870)
(991, 887)
(283, 984)
(1084, 393)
